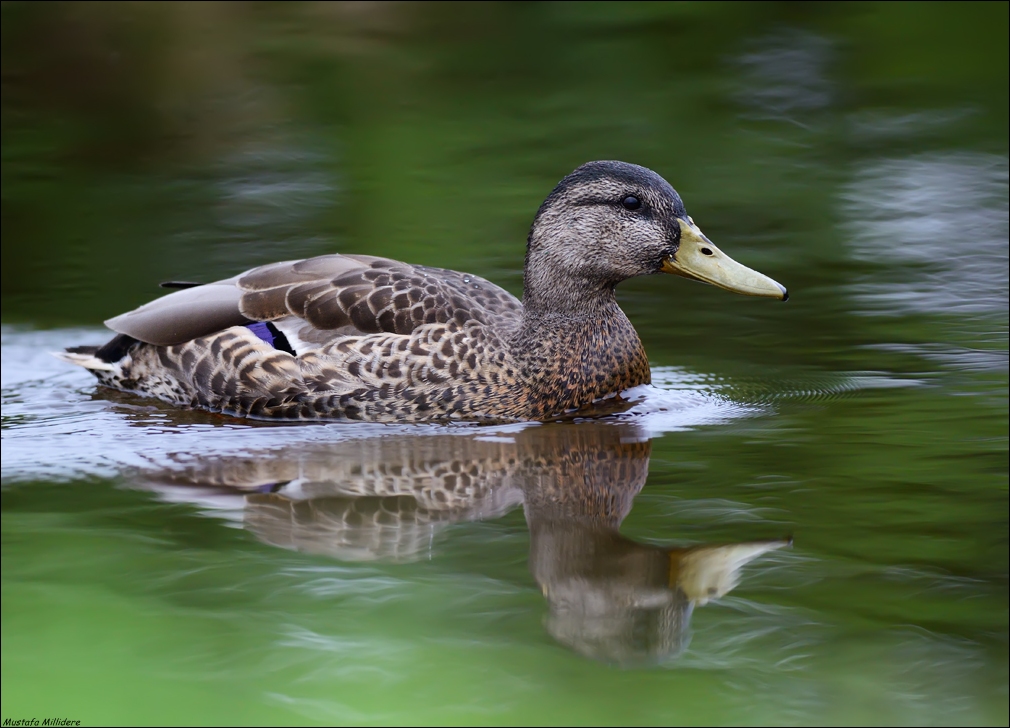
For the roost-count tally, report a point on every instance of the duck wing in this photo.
(317, 300)
(184, 315)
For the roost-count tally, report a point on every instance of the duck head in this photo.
(609, 221)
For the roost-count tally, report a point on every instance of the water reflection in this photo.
(785, 76)
(268, 196)
(938, 224)
(610, 597)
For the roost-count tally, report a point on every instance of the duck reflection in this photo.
(610, 597)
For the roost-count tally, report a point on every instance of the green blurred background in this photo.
(856, 152)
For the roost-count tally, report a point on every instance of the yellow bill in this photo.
(699, 259)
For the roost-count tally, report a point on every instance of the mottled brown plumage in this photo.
(375, 339)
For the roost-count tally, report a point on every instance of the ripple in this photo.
(786, 76)
(937, 226)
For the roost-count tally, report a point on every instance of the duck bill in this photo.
(699, 259)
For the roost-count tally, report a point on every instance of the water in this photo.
(161, 565)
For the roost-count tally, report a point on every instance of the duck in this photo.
(360, 337)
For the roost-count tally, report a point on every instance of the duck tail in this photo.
(84, 356)
(107, 358)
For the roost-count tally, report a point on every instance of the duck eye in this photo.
(631, 202)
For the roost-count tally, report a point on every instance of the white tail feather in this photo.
(88, 361)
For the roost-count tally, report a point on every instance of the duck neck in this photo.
(555, 286)
(574, 345)
(569, 299)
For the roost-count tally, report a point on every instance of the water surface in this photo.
(162, 565)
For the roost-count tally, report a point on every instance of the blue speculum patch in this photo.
(271, 335)
(263, 331)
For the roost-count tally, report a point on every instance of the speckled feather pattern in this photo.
(380, 340)
(447, 357)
